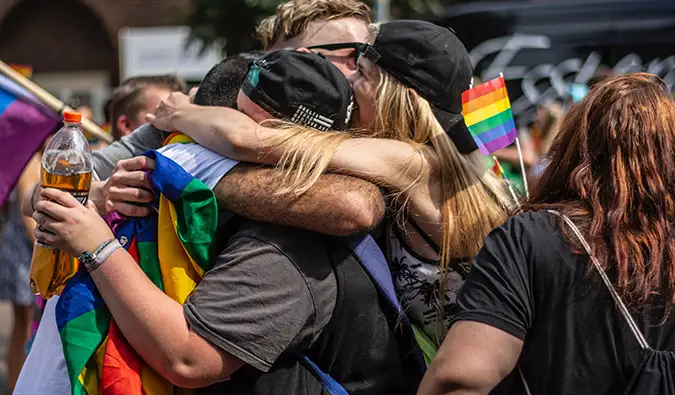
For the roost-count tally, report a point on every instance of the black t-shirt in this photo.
(527, 282)
(270, 293)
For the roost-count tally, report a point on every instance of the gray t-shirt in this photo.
(270, 291)
(145, 138)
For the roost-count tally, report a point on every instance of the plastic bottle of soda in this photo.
(66, 165)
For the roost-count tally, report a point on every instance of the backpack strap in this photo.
(372, 260)
(425, 236)
(622, 307)
(375, 264)
(522, 378)
(329, 383)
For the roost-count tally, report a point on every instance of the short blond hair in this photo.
(292, 18)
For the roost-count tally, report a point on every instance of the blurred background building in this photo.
(80, 49)
(73, 46)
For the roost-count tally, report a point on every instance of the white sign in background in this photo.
(163, 50)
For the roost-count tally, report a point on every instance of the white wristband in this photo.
(97, 260)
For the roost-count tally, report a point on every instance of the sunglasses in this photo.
(359, 48)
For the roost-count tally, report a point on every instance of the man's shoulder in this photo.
(275, 234)
(142, 139)
(306, 250)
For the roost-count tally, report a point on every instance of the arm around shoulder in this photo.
(392, 163)
(337, 204)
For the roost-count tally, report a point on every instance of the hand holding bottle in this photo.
(66, 165)
(66, 224)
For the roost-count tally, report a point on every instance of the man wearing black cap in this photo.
(278, 301)
(275, 294)
(300, 87)
(429, 59)
(427, 156)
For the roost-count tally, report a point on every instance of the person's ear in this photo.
(414, 95)
(123, 125)
(192, 94)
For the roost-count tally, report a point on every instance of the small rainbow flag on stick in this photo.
(487, 114)
(499, 172)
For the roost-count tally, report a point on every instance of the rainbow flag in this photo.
(25, 123)
(497, 169)
(174, 247)
(487, 114)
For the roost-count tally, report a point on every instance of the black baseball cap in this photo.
(304, 88)
(431, 60)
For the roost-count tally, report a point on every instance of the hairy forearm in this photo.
(152, 322)
(336, 204)
(384, 161)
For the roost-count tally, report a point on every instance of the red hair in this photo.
(612, 170)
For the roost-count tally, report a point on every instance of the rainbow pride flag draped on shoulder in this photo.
(487, 114)
(174, 247)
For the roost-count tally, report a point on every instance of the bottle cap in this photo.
(72, 117)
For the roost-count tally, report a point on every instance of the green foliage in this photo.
(230, 24)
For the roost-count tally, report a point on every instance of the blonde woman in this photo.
(407, 88)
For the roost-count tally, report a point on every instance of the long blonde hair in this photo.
(474, 201)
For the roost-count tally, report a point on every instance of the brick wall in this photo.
(73, 35)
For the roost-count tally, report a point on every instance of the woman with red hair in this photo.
(575, 294)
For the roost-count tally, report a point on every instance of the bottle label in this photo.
(82, 197)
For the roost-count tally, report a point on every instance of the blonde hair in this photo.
(306, 153)
(293, 17)
(474, 200)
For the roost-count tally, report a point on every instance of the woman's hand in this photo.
(74, 228)
(226, 131)
(164, 118)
